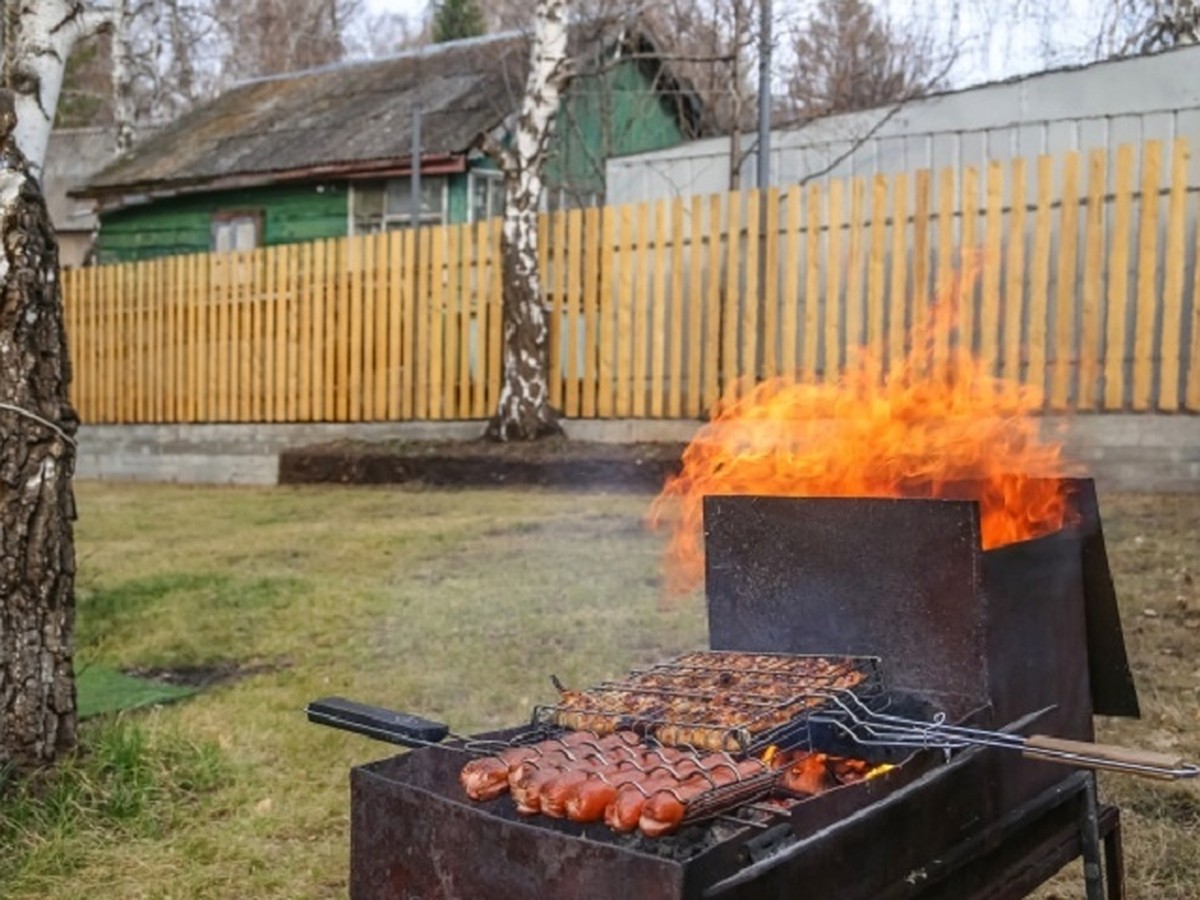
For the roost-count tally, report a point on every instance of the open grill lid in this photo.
(1016, 628)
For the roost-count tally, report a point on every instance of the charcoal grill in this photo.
(1013, 640)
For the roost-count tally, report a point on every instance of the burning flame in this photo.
(938, 425)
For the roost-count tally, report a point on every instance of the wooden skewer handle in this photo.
(1103, 756)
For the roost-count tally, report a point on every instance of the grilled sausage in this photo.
(663, 812)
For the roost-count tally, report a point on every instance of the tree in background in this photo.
(454, 20)
(847, 57)
(524, 411)
(271, 37)
(1130, 27)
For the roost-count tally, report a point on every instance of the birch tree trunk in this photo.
(524, 411)
(37, 459)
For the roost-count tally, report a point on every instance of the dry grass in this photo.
(458, 605)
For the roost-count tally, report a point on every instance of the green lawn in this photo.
(455, 604)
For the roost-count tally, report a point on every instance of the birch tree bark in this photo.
(37, 558)
(524, 411)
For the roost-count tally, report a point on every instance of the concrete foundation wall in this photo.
(1122, 452)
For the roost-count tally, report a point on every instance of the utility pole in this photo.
(415, 175)
(764, 94)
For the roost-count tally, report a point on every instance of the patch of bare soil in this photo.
(552, 462)
(201, 676)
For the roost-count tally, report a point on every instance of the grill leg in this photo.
(1089, 833)
(1114, 862)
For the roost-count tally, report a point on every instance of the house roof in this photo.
(73, 155)
(347, 119)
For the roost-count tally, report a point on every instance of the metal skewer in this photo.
(867, 727)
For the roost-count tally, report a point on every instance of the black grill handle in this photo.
(375, 722)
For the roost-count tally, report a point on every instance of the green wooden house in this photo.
(329, 152)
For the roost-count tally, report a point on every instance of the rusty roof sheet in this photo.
(344, 117)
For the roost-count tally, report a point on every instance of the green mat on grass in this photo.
(104, 690)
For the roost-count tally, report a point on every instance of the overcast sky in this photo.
(991, 50)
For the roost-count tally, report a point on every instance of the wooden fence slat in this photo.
(658, 328)
(272, 403)
(1115, 339)
(922, 245)
(547, 270)
(625, 374)
(1093, 272)
(135, 338)
(713, 317)
(1040, 274)
(395, 322)
(244, 342)
(453, 292)
(897, 310)
(971, 259)
(1192, 391)
(466, 287)
(876, 283)
(609, 278)
(437, 320)
(408, 325)
(157, 372)
(1147, 300)
(597, 233)
(317, 372)
(1063, 336)
(813, 301)
(1171, 350)
(296, 300)
(833, 284)
(770, 287)
(204, 267)
(311, 285)
(854, 274)
(226, 359)
(562, 280)
(638, 310)
(421, 318)
(259, 337)
(790, 328)
(695, 307)
(573, 327)
(280, 313)
(750, 298)
(676, 374)
(947, 272)
(495, 318)
(729, 319)
(1014, 294)
(989, 313)
(362, 321)
(357, 315)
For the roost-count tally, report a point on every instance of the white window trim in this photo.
(403, 221)
(495, 176)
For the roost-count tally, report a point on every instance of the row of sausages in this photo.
(586, 778)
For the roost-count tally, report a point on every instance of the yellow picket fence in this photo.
(1087, 287)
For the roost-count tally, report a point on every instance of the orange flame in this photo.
(938, 425)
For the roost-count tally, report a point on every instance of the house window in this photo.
(384, 205)
(487, 195)
(236, 231)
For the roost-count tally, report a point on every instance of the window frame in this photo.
(227, 217)
(395, 221)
